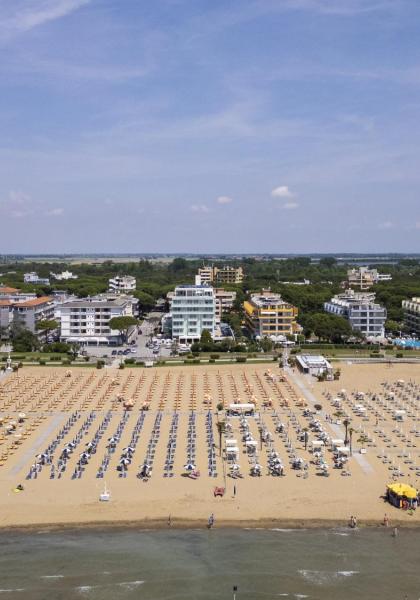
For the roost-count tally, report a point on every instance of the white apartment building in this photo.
(29, 312)
(122, 284)
(64, 276)
(360, 310)
(34, 278)
(193, 310)
(364, 278)
(87, 320)
(412, 315)
(206, 275)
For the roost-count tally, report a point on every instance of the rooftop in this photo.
(86, 302)
(8, 290)
(34, 302)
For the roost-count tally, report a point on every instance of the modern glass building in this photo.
(193, 310)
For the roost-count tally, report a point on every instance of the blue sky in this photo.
(209, 125)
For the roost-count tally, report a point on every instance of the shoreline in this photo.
(201, 524)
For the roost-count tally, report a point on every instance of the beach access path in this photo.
(339, 431)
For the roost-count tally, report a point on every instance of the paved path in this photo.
(39, 442)
(339, 432)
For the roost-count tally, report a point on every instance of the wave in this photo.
(12, 590)
(130, 584)
(286, 530)
(51, 576)
(324, 577)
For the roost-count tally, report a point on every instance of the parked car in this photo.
(114, 353)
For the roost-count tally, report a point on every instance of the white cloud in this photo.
(54, 212)
(282, 191)
(199, 208)
(18, 205)
(24, 15)
(386, 225)
(18, 197)
(290, 205)
(224, 200)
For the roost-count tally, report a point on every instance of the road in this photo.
(142, 352)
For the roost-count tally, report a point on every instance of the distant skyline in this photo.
(209, 126)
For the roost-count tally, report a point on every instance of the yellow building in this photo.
(225, 274)
(267, 315)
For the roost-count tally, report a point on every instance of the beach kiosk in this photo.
(402, 495)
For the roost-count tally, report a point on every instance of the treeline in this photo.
(156, 278)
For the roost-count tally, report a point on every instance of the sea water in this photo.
(201, 564)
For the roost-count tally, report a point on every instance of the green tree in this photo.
(178, 264)
(24, 340)
(123, 324)
(47, 325)
(266, 344)
(393, 327)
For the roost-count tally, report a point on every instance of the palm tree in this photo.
(363, 439)
(346, 424)
(351, 431)
(221, 428)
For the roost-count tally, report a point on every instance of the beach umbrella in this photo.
(189, 467)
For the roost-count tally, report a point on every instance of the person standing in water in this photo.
(210, 522)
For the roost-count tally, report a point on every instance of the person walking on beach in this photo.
(386, 520)
(210, 522)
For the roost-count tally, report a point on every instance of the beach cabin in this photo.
(236, 410)
(337, 443)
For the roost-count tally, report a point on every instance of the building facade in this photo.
(64, 276)
(364, 278)
(223, 302)
(225, 274)
(122, 284)
(33, 278)
(193, 310)
(87, 320)
(268, 315)
(30, 312)
(361, 310)
(412, 315)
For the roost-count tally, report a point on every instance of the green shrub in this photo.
(214, 356)
(212, 360)
(42, 362)
(66, 362)
(86, 358)
(100, 364)
(241, 359)
(141, 363)
(399, 355)
(130, 361)
(122, 366)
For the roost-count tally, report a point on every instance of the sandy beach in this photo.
(88, 407)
